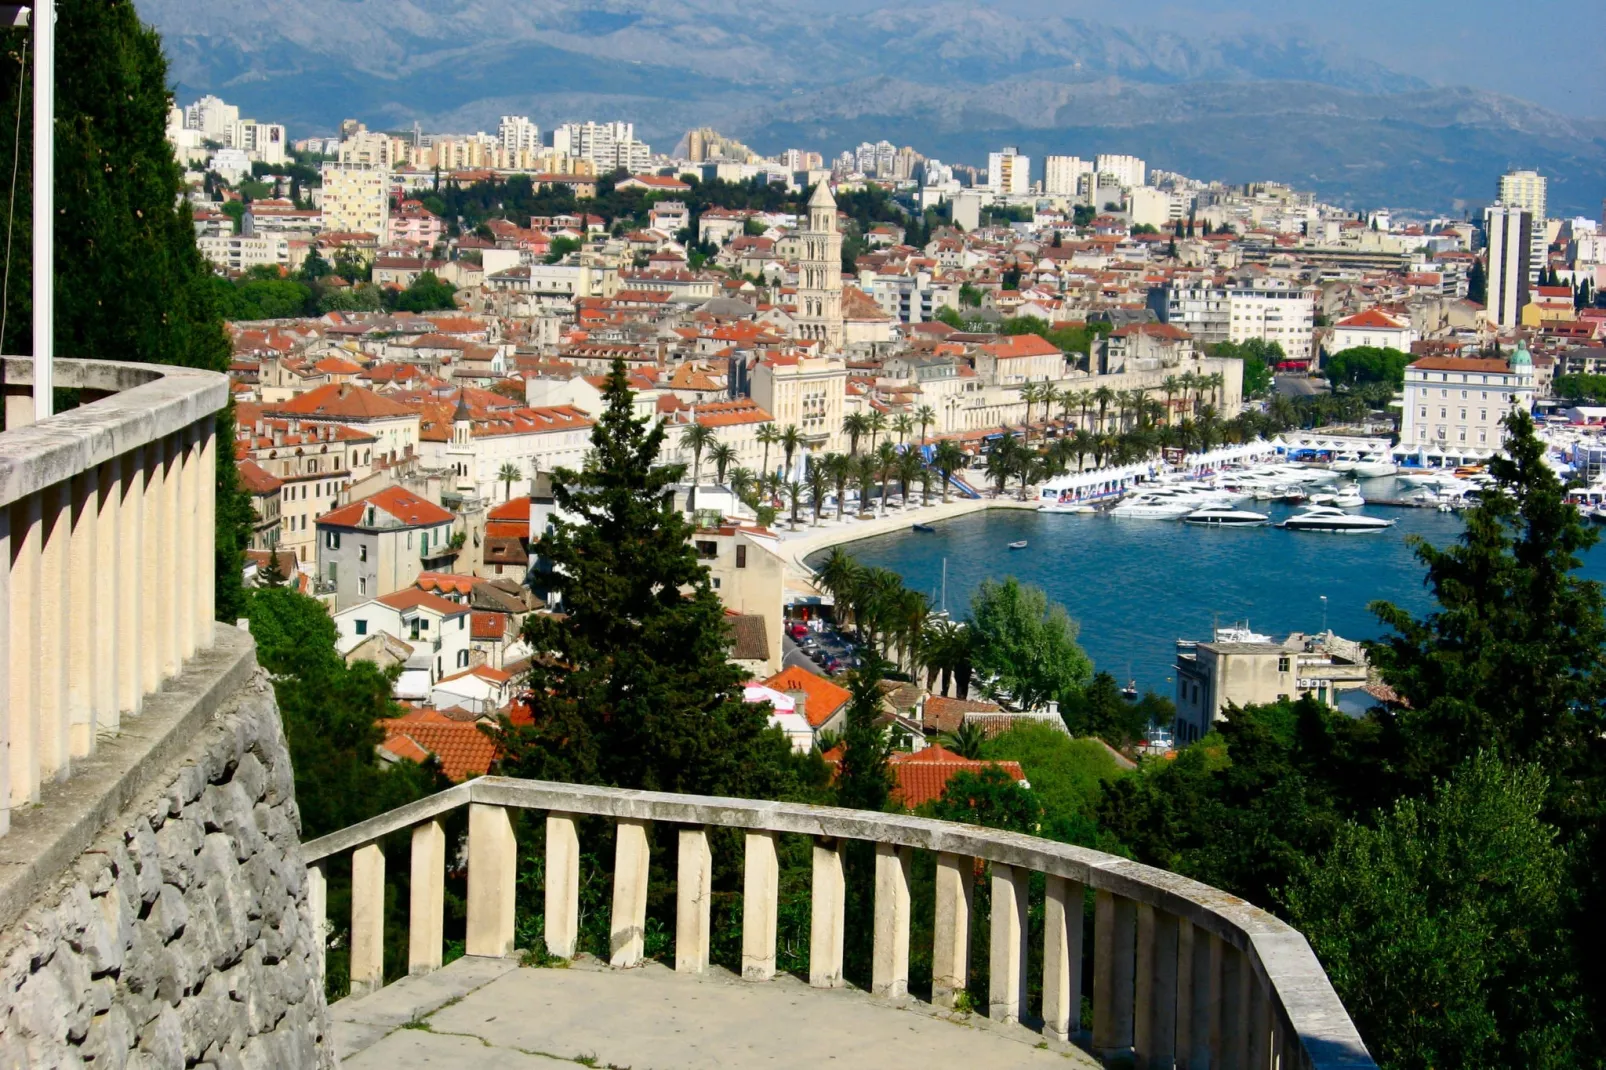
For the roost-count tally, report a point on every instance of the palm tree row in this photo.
(1133, 407)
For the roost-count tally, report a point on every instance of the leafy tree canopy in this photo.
(1026, 645)
(1367, 364)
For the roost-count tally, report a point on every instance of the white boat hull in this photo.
(1375, 469)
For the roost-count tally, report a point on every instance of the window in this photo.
(462, 622)
(1463, 414)
(334, 572)
(1443, 413)
(1282, 664)
(362, 551)
(423, 624)
(331, 540)
(741, 557)
(362, 627)
(462, 659)
(362, 584)
(707, 549)
(1424, 412)
(716, 583)
(1483, 414)
(1463, 395)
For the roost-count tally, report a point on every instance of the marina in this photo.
(1135, 587)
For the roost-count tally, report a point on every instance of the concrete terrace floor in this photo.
(492, 1014)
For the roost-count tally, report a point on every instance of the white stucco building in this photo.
(1454, 405)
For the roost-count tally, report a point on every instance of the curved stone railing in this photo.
(106, 556)
(1183, 974)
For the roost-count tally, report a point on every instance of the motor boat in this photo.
(1226, 518)
(1331, 519)
(1374, 467)
(1344, 462)
(1066, 507)
(924, 529)
(1348, 497)
(1155, 507)
(1020, 545)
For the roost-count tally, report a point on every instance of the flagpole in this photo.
(44, 216)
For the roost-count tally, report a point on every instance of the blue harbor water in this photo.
(1136, 586)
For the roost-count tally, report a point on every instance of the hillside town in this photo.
(411, 366)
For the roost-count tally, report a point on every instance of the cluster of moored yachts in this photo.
(1215, 500)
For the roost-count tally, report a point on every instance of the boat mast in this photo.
(945, 585)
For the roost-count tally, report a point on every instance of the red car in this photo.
(797, 631)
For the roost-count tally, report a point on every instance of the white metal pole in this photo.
(44, 200)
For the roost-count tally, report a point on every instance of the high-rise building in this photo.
(1510, 237)
(1526, 190)
(517, 134)
(1060, 173)
(605, 145)
(1009, 172)
(819, 281)
(211, 117)
(356, 198)
(1129, 169)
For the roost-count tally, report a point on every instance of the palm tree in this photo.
(791, 441)
(1217, 381)
(794, 494)
(947, 458)
(1190, 384)
(855, 425)
(946, 648)
(903, 424)
(925, 416)
(876, 423)
(925, 486)
(1084, 398)
(723, 455)
(767, 436)
(696, 437)
(1103, 395)
(967, 741)
(1170, 386)
(886, 462)
(1030, 469)
(1029, 394)
(839, 470)
(741, 483)
(864, 470)
(819, 481)
(839, 574)
(909, 468)
(1002, 460)
(1081, 446)
(507, 474)
(1066, 399)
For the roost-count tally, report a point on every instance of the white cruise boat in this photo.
(1331, 519)
(1226, 518)
(1155, 507)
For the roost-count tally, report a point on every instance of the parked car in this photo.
(797, 630)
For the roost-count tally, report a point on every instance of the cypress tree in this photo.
(130, 283)
(632, 686)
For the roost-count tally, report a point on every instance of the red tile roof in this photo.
(1373, 318)
(409, 509)
(1021, 345)
(413, 598)
(463, 747)
(340, 399)
(257, 479)
(822, 698)
(922, 777)
(1462, 364)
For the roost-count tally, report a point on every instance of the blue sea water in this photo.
(1136, 586)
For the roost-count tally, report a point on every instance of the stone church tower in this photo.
(819, 286)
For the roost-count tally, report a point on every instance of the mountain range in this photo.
(954, 80)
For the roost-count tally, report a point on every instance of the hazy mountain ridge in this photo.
(953, 79)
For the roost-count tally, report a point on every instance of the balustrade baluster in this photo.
(1260, 1049)
(693, 899)
(105, 598)
(130, 580)
(318, 917)
(827, 910)
(760, 901)
(427, 916)
(562, 885)
(187, 546)
(367, 919)
(54, 744)
(492, 865)
(1114, 960)
(1155, 1025)
(950, 959)
(627, 936)
(83, 569)
(26, 540)
(5, 662)
(1006, 999)
(1062, 958)
(1235, 978)
(890, 963)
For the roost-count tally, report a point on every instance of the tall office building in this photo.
(1009, 172)
(1510, 233)
(1060, 174)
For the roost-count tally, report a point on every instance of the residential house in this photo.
(379, 544)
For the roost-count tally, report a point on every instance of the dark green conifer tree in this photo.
(631, 685)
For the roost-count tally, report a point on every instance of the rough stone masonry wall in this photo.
(182, 937)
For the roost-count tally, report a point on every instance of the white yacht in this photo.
(1332, 519)
(1346, 497)
(1155, 507)
(1226, 518)
(1374, 467)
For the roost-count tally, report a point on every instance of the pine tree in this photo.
(1478, 283)
(130, 283)
(271, 574)
(632, 686)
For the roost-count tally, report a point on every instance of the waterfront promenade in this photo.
(808, 539)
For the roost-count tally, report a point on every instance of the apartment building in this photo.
(807, 392)
(379, 544)
(1061, 172)
(1131, 171)
(235, 253)
(1511, 270)
(356, 199)
(1008, 172)
(1270, 310)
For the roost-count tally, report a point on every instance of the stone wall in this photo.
(182, 936)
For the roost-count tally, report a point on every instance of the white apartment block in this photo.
(1156, 207)
(211, 117)
(1061, 172)
(1271, 310)
(1511, 269)
(356, 199)
(1130, 170)
(1008, 172)
(1525, 190)
(235, 253)
(605, 146)
(1454, 405)
(259, 141)
(807, 392)
(517, 134)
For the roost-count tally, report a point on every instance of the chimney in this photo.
(802, 699)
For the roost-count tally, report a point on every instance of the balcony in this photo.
(1178, 974)
(106, 524)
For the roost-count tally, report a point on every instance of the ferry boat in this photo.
(1226, 518)
(1331, 519)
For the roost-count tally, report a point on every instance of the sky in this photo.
(1547, 51)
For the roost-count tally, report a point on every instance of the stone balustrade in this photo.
(1183, 975)
(106, 556)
